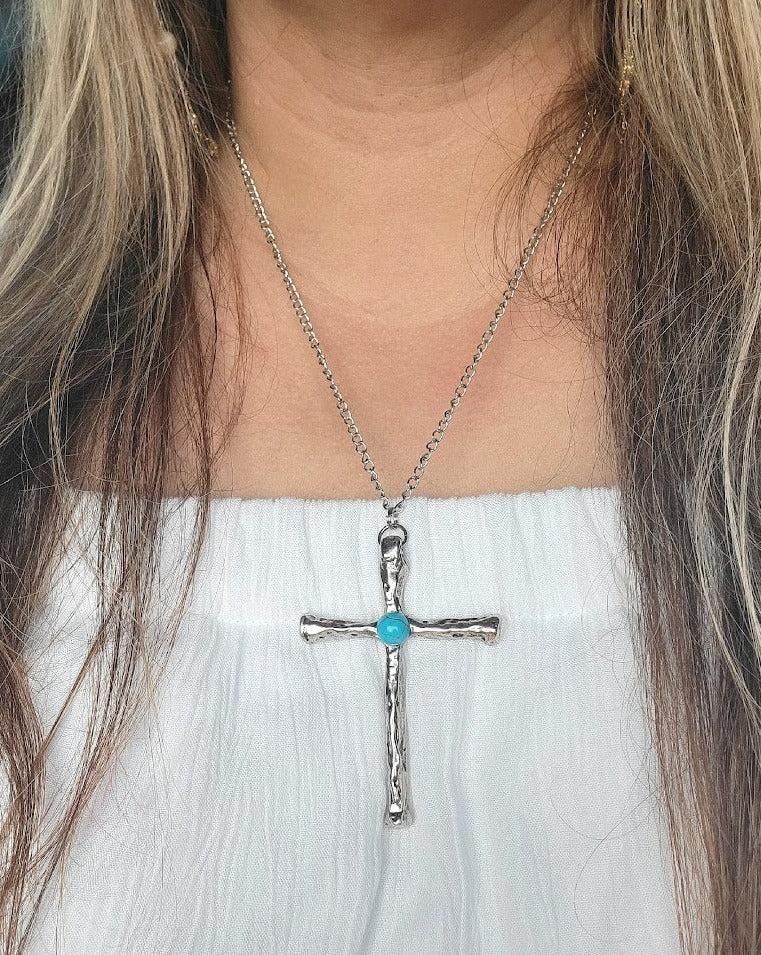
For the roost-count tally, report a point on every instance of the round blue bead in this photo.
(393, 628)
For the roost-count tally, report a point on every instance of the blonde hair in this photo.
(100, 348)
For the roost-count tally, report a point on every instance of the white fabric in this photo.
(246, 814)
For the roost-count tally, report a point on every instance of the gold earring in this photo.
(627, 72)
(168, 43)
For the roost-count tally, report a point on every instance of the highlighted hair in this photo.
(104, 366)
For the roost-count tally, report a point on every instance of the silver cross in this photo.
(393, 628)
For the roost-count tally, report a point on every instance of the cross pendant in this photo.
(393, 628)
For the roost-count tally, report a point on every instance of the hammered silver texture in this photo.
(393, 571)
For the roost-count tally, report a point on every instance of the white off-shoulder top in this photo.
(246, 813)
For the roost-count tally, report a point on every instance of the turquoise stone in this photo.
(393, 628)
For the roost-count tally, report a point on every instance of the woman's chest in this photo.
(531, 418)
(246, 812)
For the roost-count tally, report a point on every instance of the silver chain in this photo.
(437, 434)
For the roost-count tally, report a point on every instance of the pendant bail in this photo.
(392, 511)
(393, 531)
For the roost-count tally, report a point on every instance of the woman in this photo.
(184, 520)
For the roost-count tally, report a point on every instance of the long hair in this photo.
(104, 181)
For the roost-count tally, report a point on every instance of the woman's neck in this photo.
(378, 135)
(385, 128)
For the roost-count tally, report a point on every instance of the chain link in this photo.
(360, 446)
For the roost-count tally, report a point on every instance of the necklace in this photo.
(393, 627)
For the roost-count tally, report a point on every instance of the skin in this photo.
(378, 135)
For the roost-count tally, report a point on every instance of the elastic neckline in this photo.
(239, 502)
(558, 551)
